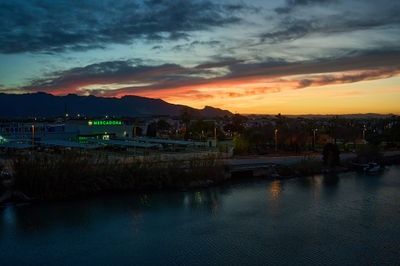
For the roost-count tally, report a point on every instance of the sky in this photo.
(254, 56)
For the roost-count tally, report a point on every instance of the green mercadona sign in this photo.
(104, 123)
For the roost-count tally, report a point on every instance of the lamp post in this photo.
(276, 140)
(364, 129)
(33, 136)
(314, 130)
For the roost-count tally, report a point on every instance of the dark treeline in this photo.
(269, 134)
(266, 135)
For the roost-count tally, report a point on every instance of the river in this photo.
(350, 218)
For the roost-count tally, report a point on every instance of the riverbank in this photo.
(42, 177)
(69, 176)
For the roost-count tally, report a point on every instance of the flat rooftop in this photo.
(160, 141)
(122, 143)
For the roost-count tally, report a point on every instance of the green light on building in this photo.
(104, 123)
(85, 137)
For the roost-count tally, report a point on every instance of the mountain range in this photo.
(41, 104)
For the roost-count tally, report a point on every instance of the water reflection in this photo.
(310, 182)
(145, 200)
(8, 219)
(137, 220)
(344, 218)
(331, 179)
(275, 189)
(205, 199)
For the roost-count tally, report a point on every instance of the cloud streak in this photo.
(349, 78)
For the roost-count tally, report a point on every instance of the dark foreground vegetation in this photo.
(53, 176)
(68, 175)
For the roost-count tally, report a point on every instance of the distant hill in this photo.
(317, 116)
(349, 116)
(46, 105)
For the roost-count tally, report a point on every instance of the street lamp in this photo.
(276, 140)
(314, 130)
(33, 134)
(364, 129)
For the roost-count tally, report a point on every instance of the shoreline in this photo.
(222, 176)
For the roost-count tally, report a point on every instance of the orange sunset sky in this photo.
(265, 57)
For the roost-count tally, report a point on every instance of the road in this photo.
(290, 159)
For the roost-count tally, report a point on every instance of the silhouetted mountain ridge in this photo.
(41, 104)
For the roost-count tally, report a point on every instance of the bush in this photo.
(367, 153)
(331, 156)
(241, 144)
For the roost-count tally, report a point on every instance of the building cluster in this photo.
(176, 134)
(139, 135)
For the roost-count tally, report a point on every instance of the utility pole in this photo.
(276, 140)
(134, 139)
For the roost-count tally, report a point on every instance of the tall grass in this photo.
(308, 166)
(60, 176)
(2, 186)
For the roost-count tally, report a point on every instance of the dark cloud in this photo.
(223, 63)
(304, 83)
(349, 78)
(370, 61)
(103, 73)
(291, 4)
(53, 26)
(191, 45)
(347, 18)
(291, 29)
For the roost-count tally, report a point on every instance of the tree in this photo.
(331, 156)
(201, 129)
(367, 153)
(163, 125)
(186, 116)
(152, 130)
(333, 128)
(241, 144)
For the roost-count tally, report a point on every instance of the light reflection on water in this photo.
(275, 188)
(325, 219)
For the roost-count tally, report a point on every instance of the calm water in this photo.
(338, 219)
